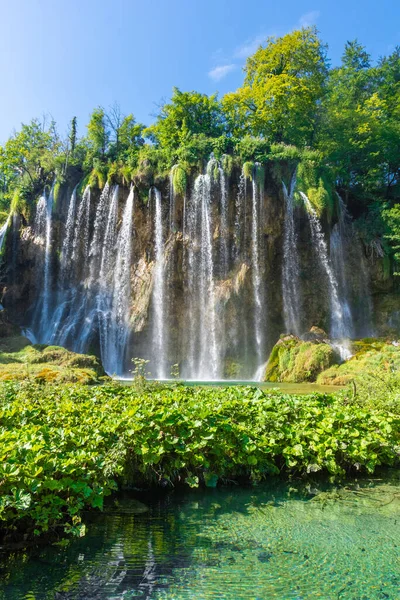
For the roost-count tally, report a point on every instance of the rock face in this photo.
(293, 360)
(223, 256)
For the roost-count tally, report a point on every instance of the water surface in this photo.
(284, 541)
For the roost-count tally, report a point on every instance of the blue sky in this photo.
(63, 58)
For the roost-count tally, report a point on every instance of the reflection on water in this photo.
(284, 541)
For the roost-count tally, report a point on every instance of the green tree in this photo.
(187, 115)
(283, 87)
(98, 134)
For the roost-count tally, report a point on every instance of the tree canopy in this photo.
(342, 124)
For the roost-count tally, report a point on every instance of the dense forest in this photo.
(340, 125)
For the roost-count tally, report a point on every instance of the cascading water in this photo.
(3, 232)
(258, 296)
(115, 347)
(291, 265)
(342, 243)
(204, 289)
(204, 355)
(43, 230)
(338, 329)
(224, 227)
(104, 297)
(69, 238)
(159, 322)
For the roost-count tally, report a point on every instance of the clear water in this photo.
(285, 541)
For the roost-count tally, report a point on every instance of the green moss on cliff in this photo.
(294, 361)
(371, 358)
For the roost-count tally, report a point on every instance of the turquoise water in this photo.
(284, 541)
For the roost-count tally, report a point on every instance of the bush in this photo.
(64, 448)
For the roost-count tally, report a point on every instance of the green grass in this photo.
(63, 448)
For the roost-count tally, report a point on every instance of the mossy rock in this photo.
(371, 356)
(294, 361)
(21, 360)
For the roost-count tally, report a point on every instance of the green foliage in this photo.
(64, 448)
(313, 180)
(188, 114)
(284, 84)
(179, 180)
(248, 170)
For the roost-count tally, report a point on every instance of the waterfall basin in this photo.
(297, 540)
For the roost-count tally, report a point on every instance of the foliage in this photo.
(340, 126)
(64, 448)
(179, 180)
(283, 85)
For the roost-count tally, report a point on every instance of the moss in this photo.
(370, 356)
(295, 361)
(20, 360)
(179, 180)
(248, 168)
(227, 164)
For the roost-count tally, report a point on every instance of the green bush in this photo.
(64, 448)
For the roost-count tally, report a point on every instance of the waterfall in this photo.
(98, 233)
(159, 324)
(69, 237)
(3, 232)
(239, 215)
(338, 330)
(344, 245)
(341, 236)
(256, 264)
(43, 230)
(224, 228)
(204, 354)
(290, 265)
(115, 344)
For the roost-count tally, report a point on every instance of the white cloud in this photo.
(249, 47)
(309, 18)
(220, 72)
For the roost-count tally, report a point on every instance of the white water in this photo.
(341, 237)
(338, 330)
(159, 324)
(203, 355)
(43, 230)
(3, 232)
(222, 320)
(256, 265)
(291, 294)
(114, 357)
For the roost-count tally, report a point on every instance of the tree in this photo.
(98, 134)
(283, 87)
(188, 114)
(73, 134)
